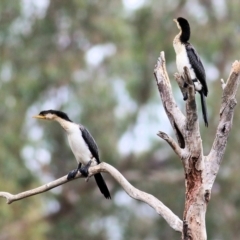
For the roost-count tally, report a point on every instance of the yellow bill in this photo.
(39, 117)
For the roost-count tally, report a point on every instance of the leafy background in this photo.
(94, 60)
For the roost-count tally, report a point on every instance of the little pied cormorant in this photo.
(186, 55)
(82, 144)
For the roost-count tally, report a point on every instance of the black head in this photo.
(185, 27)
(50, 114)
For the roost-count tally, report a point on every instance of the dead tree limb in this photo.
(200, 171)
(133, 192)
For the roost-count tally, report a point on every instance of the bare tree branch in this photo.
(180, 152)
(180, 81)
(133, 192)
(174, 114)
(191, 106)
(192, 134)
(228, 104)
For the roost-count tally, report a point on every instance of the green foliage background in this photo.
(94, 60)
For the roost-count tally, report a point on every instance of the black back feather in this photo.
(102, 185)
(89, 140)
(197, 66)
(204, 108)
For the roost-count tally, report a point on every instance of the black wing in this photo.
(197, 65)
(90, 143)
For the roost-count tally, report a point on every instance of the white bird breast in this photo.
(79, 147)
(183, 61)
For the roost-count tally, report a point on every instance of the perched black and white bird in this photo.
(82, 144)
(186, 55)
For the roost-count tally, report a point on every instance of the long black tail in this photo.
(102, 185)
(204, 108)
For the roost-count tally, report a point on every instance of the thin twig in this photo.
(180, 152)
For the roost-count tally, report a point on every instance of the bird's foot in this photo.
(185, 96)
(74, 172)
(84, 170)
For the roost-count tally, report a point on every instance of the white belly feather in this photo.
(183, 61)
(79, 147)
(77, 144)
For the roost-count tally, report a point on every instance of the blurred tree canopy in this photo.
(94, 60)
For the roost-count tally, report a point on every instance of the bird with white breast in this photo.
(82, 145)
(187, 56)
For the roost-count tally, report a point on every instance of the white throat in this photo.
(177, 44)
(182, 59)
(66, 125)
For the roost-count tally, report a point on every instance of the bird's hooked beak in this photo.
(39, 117)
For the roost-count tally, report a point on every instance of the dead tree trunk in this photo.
(200, 171)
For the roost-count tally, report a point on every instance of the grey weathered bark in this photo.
(200, 171)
